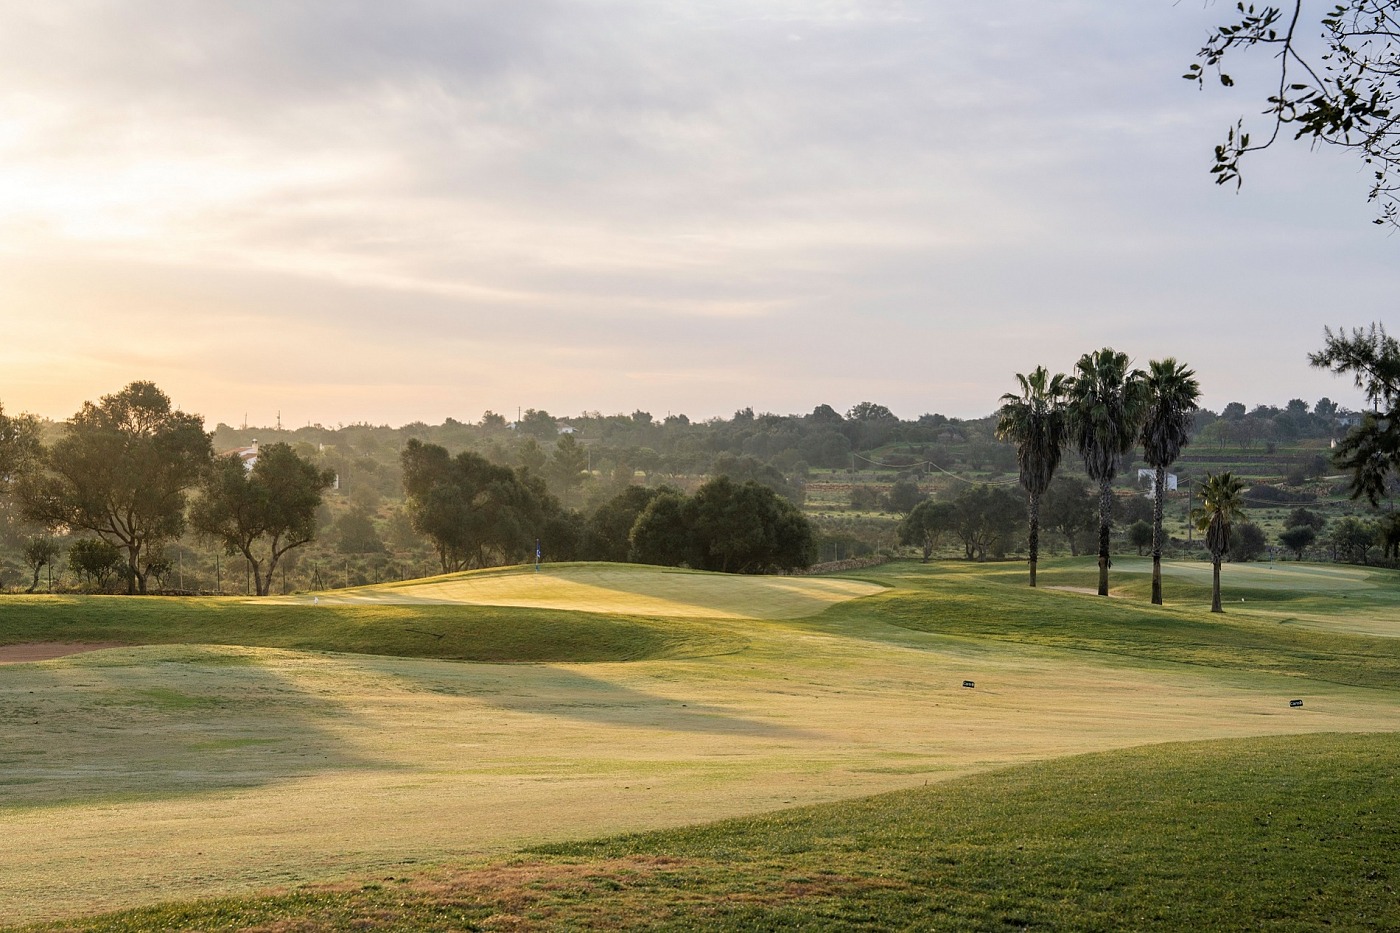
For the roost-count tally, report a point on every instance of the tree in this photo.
(903, 496)
(1371, 450)
(475, 512)
(1347, 96)
(748, 528)
(1140, 535)
(606, 533)
(39, 552)
(1107, 405)
(1069, 509)
(727, 527)
(122, 471)
(1222, 505)
(1035, 422)
(19, 447)
(264, 512)
(1301, 516)
(95, 559)
(567, 465)
(1298, 538)
(1173, 399)
(984, 518)
(662, 533)
(1352, 538)
(926, 526)
(1247, 542)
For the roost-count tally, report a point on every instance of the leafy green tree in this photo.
(749, 528)
(19, 447)
(903, 496)
(355, 534)
(122, 470)
(39, 553)
(1070, 510)
(606, 533)
(663, 532)
(567, 465)
(1174, 397)
(1221, 508)
(1034, 421)
(531, 456)
(984, 520)
(1107, 405)
(1298, 538)
(1371, 450)
(727, 527)
(1346, 94)
(1140, 535)
(1247, 542)
(475, 512)
(96, 560)
(264, 512)
(1352, 538)
(927, 525)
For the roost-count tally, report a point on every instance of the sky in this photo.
(342, 211)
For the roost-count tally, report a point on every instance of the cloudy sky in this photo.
(353, 210)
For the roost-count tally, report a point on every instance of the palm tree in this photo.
(1107, 404)
(1222, 504)
(1035, 422)
(1174, 393)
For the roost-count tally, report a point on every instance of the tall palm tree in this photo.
(1174, 394)
(1107, 404)
(1035, 422)
(1222, 505)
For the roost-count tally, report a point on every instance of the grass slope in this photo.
(627, 589)
(172, 770)
(453, 632)
(994, 604)
(1293, 833)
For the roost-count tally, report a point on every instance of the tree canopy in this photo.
(122, 470)
(1345, 96)
(1371, 450)
(264, 512)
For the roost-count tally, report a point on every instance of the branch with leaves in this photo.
(1347, 97)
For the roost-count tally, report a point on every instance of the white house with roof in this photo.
(249, 455)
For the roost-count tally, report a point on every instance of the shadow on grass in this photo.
(544, 690)
(155, 723)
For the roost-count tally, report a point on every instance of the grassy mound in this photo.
(1278, 833)
(993, 603)
(626, 589)
(442, 631)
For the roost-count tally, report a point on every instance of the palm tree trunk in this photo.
(1159, 493)
(1034, 509)
(1215, 584)
(1105, 522)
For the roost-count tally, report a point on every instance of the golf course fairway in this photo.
(205, 757)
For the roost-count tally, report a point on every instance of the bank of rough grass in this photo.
(470, 633)
(1292, 833)
(993, 602)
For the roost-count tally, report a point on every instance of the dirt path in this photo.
(47, 651)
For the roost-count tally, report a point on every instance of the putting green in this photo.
(1330, 597)
(136, 775)
(625, 589)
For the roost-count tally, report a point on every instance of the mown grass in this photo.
(475, 633)
(1292, 833)
(994, 603)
